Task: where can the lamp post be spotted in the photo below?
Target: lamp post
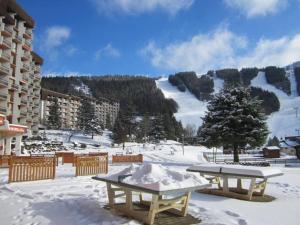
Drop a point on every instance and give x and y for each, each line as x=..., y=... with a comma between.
x=183, y=144
x=296, y=109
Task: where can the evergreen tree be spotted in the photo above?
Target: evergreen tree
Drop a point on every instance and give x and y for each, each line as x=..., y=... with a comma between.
x=273, y=141
x=119, y=130
x=87, y=121
x=158, y=129
x=144, y=128
x=235, y=120
x=54, y=119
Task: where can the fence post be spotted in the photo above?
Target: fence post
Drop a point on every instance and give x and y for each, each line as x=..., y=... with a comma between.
x=54, y=166
x=10, y=170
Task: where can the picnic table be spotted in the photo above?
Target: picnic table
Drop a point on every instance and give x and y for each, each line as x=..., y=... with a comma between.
x=216, y=173
x=160, y=201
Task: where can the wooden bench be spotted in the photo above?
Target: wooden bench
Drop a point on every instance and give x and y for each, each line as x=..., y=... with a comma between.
x=24, y=168
x=127, y=158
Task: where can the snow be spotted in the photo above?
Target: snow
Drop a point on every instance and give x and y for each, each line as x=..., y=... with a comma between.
x=70, y=200
x=190, y=108
x=158, y=177
x=284, y=122
x=238, y=169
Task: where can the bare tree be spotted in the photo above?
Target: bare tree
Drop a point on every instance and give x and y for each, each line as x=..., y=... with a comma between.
x=190, y=130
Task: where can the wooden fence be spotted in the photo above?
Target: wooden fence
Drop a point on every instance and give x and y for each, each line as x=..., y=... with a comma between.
x=127, y=158
x=31, y=168
x=5, y=160
x=91, y=165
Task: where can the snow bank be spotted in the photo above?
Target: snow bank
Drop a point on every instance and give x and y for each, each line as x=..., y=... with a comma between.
x=158, y=177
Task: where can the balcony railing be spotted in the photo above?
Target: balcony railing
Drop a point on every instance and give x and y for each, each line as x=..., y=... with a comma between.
x=3, y=96
x=14, y=86
x=23, y=102
x=23, y=89
x=26, y=67
x=7, y=42
x=8, y=29
x=28, y=43
x=3, y=82
x=4, y=69
x=4, y=55
x=28, y=32
x=3, y=110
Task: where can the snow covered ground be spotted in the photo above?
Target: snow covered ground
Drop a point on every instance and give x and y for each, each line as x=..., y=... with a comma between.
x=70, y=200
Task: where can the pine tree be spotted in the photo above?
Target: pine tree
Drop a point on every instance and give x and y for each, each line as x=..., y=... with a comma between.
x=88, y=121
x=158, y=129
x=54, y=119
x=144, y=127
x=119, y=130
x=234, y=119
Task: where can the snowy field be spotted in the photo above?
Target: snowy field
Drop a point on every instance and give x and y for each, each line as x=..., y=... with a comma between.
x=70, y=200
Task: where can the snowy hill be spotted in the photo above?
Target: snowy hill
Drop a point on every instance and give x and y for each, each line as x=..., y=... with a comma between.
x=282, y=123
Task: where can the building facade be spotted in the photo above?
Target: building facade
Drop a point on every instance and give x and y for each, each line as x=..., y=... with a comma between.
x=19, y=68
x=69, y=107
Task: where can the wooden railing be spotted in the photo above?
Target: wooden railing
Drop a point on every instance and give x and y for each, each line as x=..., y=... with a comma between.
x=31, y=168
x=127, y=158
x=91, y=165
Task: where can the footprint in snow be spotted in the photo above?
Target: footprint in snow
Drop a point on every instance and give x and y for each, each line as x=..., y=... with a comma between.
x=229, y=213
x=242, y=222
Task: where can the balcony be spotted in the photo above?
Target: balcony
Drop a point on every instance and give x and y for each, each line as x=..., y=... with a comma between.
x=4, y=69
x=14, y=87
x=23, y=102
x=24, y=89
x=3, y=82
x=3, y=97
x=26, y=56
x=18, y=39
x=4, y=56
x=3, y=110
x=6, y=43
x=28, y=33
x=8, y=31
x=28, y=43
x=25, y=68
x=23, y=114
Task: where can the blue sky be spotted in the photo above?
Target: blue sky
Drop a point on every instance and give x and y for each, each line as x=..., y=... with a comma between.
x=158, y=37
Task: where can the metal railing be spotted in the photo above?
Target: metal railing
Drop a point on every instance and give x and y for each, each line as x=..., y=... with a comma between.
x=7, y=42
x=5, y=55
x=4, y=68
x=3, y=82
x=3, y=96
x=28, y=32
x=3, y=110
x=8, y=29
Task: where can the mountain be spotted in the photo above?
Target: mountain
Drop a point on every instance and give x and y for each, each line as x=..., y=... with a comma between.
x=278, y=88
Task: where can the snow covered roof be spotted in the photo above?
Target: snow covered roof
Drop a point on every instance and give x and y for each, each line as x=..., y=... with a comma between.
x=272, y=148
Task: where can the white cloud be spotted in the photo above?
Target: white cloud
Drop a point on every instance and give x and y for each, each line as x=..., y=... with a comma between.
x=222, y=49
x=280, y=52
x=53, y=38
x=254, y=8
x=140, y=6
x=201, y=53
x=107, y=51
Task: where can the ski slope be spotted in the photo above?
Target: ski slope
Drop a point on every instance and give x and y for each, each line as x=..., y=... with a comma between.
x=190, y=109
x=284, y=122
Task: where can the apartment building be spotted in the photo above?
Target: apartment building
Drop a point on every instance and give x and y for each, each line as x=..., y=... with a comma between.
x=19, y=67
x=69, y=106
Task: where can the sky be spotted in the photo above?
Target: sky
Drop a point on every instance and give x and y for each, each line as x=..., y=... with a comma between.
x=161, y=37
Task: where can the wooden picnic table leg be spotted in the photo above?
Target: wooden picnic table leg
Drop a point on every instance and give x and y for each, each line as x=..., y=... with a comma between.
x=239, y=184
x=153, y=209
x=184, y=209
x=251, y=189
x=225, y=184
x=110, y=193
x=128, y=194
x=262, y=191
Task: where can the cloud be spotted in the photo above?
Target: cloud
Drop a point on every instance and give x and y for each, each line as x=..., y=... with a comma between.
x=201, y=53
x=107, y=51
x=133, y=7
x=222, y=49
x=280, y=52
x=252, y=8
x=53, y=38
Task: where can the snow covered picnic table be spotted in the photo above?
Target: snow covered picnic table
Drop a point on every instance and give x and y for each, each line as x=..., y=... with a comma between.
x=217, y=172
x=157, y=181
